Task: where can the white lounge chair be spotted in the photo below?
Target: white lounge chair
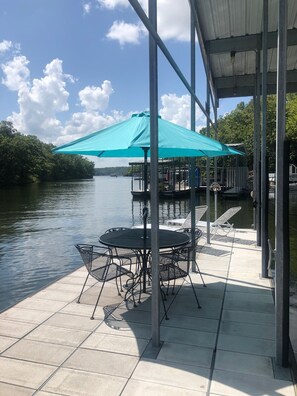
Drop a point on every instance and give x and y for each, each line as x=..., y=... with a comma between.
x=186, y=223
x=222, y=222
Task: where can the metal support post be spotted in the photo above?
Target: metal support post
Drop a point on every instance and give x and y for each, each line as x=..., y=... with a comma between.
x=153, y=83
x=208, y=162
x=257, y=153
x=254, y=164
x=281, y=206
x=264, y=170
x=192, y=161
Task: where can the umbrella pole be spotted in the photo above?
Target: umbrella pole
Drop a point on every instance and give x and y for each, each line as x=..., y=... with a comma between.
x=144, y=216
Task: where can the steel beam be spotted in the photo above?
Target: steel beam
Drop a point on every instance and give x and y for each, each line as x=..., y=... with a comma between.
x=208, y=164
x=281, y=206
x=205, y=57
x=153, y=86
x=248, y=79
x=245, y=84
x=145, y=20
x=193, y=125
x=252, y=42
x=254, y=160
x=264, y=168
x=238, y=92
x=257, y=151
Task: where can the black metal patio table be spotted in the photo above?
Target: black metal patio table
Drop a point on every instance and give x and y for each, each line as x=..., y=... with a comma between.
x=133, y=239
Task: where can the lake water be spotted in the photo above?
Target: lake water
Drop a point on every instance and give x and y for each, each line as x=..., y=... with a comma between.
x=41, y=223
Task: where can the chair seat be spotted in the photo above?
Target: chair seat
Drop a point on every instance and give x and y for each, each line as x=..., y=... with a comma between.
x=114, y=271
x=171, y=271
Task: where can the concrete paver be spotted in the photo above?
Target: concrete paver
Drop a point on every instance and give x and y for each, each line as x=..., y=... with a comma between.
x=49, y=345
x=75, y=382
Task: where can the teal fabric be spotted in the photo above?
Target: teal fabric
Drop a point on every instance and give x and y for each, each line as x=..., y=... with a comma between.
x=128, y=138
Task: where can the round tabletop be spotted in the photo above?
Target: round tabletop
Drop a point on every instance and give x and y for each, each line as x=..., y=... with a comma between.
x=133, y=239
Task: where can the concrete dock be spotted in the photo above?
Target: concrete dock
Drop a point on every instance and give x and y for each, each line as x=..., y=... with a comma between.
x=49, y=346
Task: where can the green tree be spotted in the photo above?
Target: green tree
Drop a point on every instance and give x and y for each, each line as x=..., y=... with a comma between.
x=238, y=127
x=25, y=159
x=7, y=128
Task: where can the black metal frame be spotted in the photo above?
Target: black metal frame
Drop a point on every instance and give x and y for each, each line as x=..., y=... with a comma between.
x=102, y=271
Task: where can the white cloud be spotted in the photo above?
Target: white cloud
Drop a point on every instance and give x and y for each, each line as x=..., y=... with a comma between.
x=87, y=8
x=177, y=109
x=5, y=45
x=42, y=100
x=16, y=73
x=39, y=101
x=85, y=122
x=126, y=32
x=112, y=4
x=173, y=21
x=96, y=98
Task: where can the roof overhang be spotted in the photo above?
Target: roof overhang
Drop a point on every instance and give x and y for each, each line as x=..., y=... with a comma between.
x=231, y=34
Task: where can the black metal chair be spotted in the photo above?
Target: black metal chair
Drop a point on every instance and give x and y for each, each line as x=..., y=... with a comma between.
x=174, y=264
x=126, y=257
x=198, y=235
x=99, y=263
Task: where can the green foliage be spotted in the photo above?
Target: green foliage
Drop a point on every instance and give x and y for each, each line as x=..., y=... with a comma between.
x=25, y=159
x=114, y=171
x=7, y=128
x=238, y=127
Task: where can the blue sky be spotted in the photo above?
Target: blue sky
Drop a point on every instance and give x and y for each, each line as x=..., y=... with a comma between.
x=69, y=68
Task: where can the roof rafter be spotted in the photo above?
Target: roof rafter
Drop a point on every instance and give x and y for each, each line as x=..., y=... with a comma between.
x=243, y=85
x=247, y=43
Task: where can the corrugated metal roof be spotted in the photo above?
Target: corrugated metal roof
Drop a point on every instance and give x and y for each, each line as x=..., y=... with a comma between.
x=231, y=31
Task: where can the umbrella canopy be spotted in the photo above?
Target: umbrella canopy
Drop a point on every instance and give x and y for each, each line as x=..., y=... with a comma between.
x=130, y=137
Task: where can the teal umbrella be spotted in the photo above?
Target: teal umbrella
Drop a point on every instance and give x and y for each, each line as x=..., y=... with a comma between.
x=131, y=138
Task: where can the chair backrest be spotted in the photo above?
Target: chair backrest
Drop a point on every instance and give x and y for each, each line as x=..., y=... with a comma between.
x=173, y=260
x=183, y=258
x=198, y=234
x=116, y=229
x=227, y=215
x=91, y=255
x=199, y=212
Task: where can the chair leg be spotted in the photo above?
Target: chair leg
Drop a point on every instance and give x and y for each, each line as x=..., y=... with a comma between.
x=140, y=288
x=136, y=282
x=130, y=290
x=92, y=317
x=163, y=296
x=199, y=272
x=121, y=286
x=199, y=306
x=119, y=289
x=78, y=301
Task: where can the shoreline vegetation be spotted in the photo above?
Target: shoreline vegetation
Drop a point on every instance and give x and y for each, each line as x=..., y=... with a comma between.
x=24, y=159
x=113, y=171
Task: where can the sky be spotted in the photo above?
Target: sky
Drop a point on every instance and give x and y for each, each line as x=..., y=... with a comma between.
x=72, y=67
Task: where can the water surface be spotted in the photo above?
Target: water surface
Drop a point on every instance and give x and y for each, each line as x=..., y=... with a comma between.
x=41, y=223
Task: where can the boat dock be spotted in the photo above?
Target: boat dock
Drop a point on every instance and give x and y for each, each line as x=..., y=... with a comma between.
x=49, y=346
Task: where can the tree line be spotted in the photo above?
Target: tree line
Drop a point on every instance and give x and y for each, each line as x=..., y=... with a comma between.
x=112, y=171
x=25, y=159
x=238, y=127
